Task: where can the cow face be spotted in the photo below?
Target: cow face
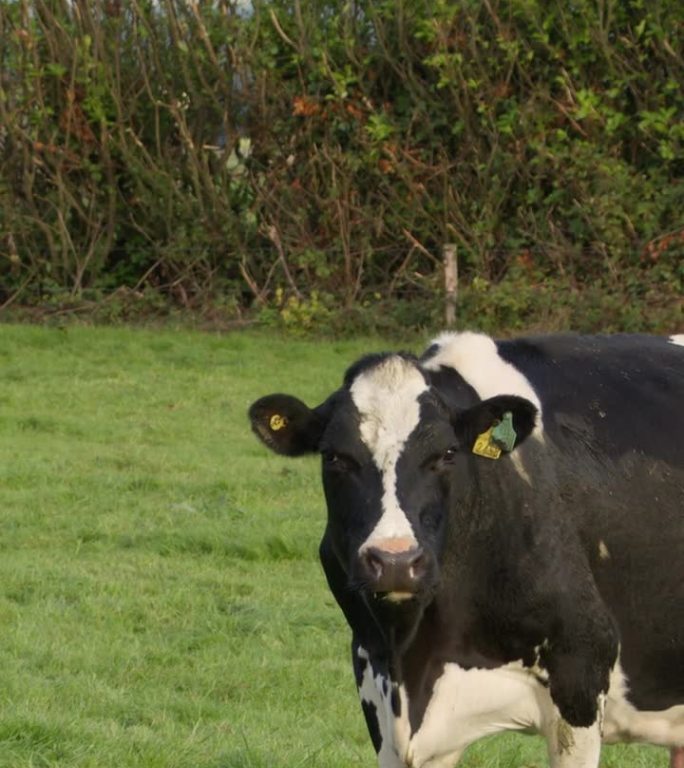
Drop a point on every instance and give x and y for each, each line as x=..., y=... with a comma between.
x=393, y=452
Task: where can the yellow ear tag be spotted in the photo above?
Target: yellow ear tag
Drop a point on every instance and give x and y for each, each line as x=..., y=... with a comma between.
x=485, y=446
x=277, y=422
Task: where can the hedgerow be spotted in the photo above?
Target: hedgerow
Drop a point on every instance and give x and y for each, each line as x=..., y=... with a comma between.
x=307, y=162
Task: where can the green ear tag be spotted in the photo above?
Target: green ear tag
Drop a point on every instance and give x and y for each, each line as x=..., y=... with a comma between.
x=503, y=433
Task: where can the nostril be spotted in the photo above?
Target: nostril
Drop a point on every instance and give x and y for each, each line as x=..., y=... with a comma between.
x=417, y=564
x=375, y=561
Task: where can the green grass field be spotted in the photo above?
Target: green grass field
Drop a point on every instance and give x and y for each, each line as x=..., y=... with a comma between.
x=161, y=603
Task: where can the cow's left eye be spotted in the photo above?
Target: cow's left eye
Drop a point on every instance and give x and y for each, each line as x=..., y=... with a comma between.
x=441, y=460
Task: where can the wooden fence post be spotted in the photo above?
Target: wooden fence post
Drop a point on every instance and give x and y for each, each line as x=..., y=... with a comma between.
x=449, y=255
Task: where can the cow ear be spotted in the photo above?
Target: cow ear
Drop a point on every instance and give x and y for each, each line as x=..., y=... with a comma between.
x=286, y=425
x=497, y=425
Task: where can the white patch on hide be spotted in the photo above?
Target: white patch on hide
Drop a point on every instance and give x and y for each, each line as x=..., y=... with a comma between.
x=394, y=732
x=475, y=357
x=467, y=705
x=677, y=338
x=516, y=458
x=623, y=722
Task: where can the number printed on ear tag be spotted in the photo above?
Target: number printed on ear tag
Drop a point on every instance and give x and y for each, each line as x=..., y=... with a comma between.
x=485, y=446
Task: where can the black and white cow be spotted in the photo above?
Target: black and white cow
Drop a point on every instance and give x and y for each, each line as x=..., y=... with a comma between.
x=505, y=537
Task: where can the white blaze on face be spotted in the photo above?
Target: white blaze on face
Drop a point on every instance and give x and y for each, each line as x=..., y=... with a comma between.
x=386, y=397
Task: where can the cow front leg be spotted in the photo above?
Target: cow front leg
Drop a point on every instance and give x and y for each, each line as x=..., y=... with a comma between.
x=573, y=747
x=389, y=759
x=677, y=757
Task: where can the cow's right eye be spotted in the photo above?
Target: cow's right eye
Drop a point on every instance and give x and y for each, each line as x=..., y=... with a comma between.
x=338, y=462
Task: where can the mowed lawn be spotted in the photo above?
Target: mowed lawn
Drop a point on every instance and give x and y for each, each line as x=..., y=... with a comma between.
x=161, y=602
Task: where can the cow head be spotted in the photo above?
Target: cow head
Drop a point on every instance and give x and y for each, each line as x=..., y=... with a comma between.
x=396, y=447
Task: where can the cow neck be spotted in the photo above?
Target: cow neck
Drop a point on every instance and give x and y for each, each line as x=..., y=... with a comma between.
x=452, y=628
x=441, y=637
x=415, y=668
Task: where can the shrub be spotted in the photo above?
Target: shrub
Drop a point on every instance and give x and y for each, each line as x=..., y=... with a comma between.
x=215, y=153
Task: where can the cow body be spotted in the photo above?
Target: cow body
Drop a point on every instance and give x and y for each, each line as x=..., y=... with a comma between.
x=538, y=586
